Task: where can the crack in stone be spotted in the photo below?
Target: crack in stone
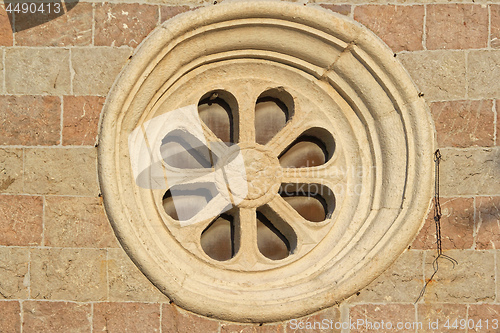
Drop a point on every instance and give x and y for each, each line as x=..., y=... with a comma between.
x=328, y=69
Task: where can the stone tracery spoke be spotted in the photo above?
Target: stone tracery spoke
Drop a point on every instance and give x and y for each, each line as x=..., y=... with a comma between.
x=286, y=135
x=246, y=238
x=216, y=146
x=305, y=231
x=328, y=175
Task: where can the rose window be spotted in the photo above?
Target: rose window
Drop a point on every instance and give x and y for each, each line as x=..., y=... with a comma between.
x=279, y=193
x=260, y=161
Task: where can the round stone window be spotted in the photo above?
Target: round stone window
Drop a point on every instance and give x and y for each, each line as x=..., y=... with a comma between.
x=261, y=161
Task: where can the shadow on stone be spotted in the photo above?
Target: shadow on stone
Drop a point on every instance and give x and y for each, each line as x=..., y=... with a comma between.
x=26, y=15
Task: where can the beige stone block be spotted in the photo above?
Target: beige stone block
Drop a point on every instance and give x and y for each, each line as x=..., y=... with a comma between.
x=236, y=328
x=127, y=283
x=11, y=170
x=440, y=75
x=430, y=313
x=369, y=317
x=37, y=71
x=175, y=319
x=471, y=171
x=68, y=274
x=14, y=278
x=56, y=317
x=472, y=280
x=63, y=171
x=311, y=324
x=77, y=222
x=483, y=71
x=95, y=69
x=126, y=317
x=21, y=220
x=10, y=320
x=401, y=282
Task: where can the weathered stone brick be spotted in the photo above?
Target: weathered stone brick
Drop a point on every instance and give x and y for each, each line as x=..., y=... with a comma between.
x=367, y=316
x=77, y=222
x=178, y=320
x=10, y=320
x=81, y=119
x=2, y=72
x=68, y=274
x=401, y=282
x=464, y=123
x=315, y=323
x=497, y=132
x=401, y=27
x=127, y=283
x=457, y=226
x=6, y=36
x=483, y=72
x=495, y=26
x=428, y=314
x=126, y=317
x=49, y=28
x=61, y=171
x=236, y=328
x=440, y=75
x=21, y=220
x=497, y=253
x=97, y=68
x=185, y=2
x=13, y=273
x=30, y=120
x=123, y=24
x=484, y=318
x=472, y=280
x=11, y=170
x=167, y=12
x=37, y=71
x=488, y=222
x=457, y=26
x=341, y=9
x=56, y=317
x=471, y=171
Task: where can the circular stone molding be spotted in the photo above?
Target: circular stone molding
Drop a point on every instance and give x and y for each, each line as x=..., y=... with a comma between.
x=352, y=127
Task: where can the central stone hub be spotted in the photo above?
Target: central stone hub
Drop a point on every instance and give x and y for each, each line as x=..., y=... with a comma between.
x=261, y=172
x=251, y=174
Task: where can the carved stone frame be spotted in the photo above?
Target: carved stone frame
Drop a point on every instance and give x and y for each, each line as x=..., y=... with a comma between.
x=389, y=140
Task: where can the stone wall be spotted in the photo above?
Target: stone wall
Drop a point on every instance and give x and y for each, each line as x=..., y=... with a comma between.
x=61, y=267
